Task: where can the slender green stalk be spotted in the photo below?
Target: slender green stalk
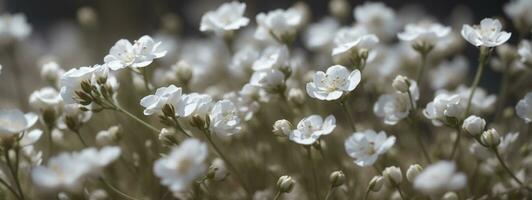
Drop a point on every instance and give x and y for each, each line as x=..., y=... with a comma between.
x=178, y=127
x=329, y=193
x=421, y=69
x=120, y=109
x=314, y=174
x=343, y=104
x=366, y=194
x=277, y=195
x=5, y=184
x=146, y=79
x=81, y=138
x=483, y=58
x=116, y=190
x=507, y=169
x=456, y=142
x=14, y=172
x=400, y=192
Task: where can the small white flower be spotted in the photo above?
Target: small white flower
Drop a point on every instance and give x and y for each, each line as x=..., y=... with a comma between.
x=273, y=58
x=519, y=12
x=507, y=141
x=282, y=127
x=51, y=71
x=525, y=52
x=424, y=33
x=392, y=176
x=474, y=125
x=197, y=104
x=449, y=73
x=377, y=18
x=171, y=95
x=392, y=107
x=271, y=80
x=139, y=54
x=109, y=136
x=482, y=102
x=439, y=178
x=71, y=80
x=182, y=166
x=353, y=40
x=333, y=83
x=227, y=17
x=219, y=168
x=488, y=34
x=278, y=24
x=45, y=98
x=14, y=122
x=310, y=128
x=444, y=105
x=366, y=146
x=320, y=36
x=14, y=27
x=243, y=61
x=224, y=119
x=524, y=108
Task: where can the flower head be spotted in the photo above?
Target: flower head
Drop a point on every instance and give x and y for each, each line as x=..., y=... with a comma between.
x=488, y=34
x=45, y=98
x=139, y=54
x=227, y=17
x=424, y=34
x=225, y=120
x=524, y=108
x=376, y=17
x=14, y=122
x=170, y=95
x=366, y=146
x=443, y=106
x=353, y=43
x=13, y=27
x=280, y=25
x=333, y=83
x=310, y=128
x=439, y=178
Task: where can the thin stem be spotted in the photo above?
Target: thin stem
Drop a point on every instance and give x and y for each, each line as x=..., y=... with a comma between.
x=49, y=130
x=483, y=57
x=503, y=164
x=226, y=161
x=366, y=194
x=400, y=191
x=178, y=126
x=330, y=192
x=146, y=79
x=5, y=184
x=277, y=195
x=116, y=190
x=503, y=90
x=14, y=173
x=343, y=103
x=314, y=175
x=81, y=138
x=421, y=69
x=120, y=109
x=456, y=142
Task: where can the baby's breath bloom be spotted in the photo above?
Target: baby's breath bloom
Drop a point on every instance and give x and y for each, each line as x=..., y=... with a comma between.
x=280, y=25
x=392, y=176
x=137, y=55
x=310, y=128
x=273, y=58
x=488, y=34
x=45, y=98
x=474, y=125
x=394, y=107
x=353, y=44
x=442, y=107
x=519, y=12
x=424, y=35
x=366, y=146
x=439, y=178
x=377, y=18
x=228, y=17
x=183, y=165
x=224, y=119
x=524, y=108
x=52, y=72
x=13, y=122
x=13, y=27
x=320, y=36
x=525, y=52
x=333, y=83
x=170, y=95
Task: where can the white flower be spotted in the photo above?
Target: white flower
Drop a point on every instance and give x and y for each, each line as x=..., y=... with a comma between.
x=109, y=136
x=488, y=34
x=51, y=71
x=524, y=108
x=224, y=119
x=278, y=24
x=282, y=127
x=320, y=36
x=310, y=128
x=71, y=81
x=243, y=60
x=525, y=52
x=449, y=73
x=333, y=83
x=219, y=168
x=474, y=125
x=481, y=102
x=439, y=178
x=271, y=80
x=14, y=27
x=444, y=105
x=392, y=176
x=197, y=104
x=353, y=40
x=45, y=98
x=507, y=141
x=273, y=57
x=68, y=169
x=519, y=12
x=366, y=146
x=14, y=122
x=424, y=33
x=227, y=17
x=377, y=18
x=139, y=54
x=182, y=166
x=394, y=107
x=171, y=95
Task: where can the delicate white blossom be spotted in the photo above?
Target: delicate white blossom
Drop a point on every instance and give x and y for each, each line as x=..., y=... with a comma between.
x=366, y=146
x=424, y=33
x=14, y=27
x=279, y=24
x=353, y=41
x=377, y=18
x=525, y=52
x=45, y=98
x=171, y=95
x=333, y=83
x=137, y=55
x=474, y=125
x=488, y=34
x=224, y=119
x=310, y=128
x=443, y=106
x=13, y=121
x=439, y=178
x=524, y=108
x=227, y=17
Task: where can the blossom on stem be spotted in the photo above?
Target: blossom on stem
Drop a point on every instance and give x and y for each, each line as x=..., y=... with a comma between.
x=334, y=83
x=310, y=128
x=226, y=18
x=13, y=121
x=366, y=146
x=488, y=34
x=524, y=108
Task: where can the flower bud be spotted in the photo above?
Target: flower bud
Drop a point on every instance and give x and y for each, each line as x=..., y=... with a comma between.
x=168, y=110
x=337, y=178
x=285, y=184
x=490, y=138
x=282, y=127
x=474, y=125
x=413, y=171
x=339, y=9
x=450, y=196
x=392, y=176
x=51, y=72
x=296, y=96
x=375, y=184
x=197, y=121
x=109, y=136
x=217, y=170
x=184, y=72
x=401, y=84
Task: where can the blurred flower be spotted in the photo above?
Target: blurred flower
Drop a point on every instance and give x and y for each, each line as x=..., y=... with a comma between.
x=13, y=27
x=366, y=146
x=227, y=17
x=519, y=12
x=353, y=44
x=507, y=141
x=413, y=171
x=224, y=119
x=182, y=166
x=524, y=108
x=392, y=176
x=282, y=127
x=488, y=34
x=320, y=36
x=439, y=178
x=333, y=83
x=377, y=18
x=218, y=169
x=525, y=52
x=394, y=107
x=424, y=35
x=273, y=81
x=449, y=73
x=51, y=72
x=280, y=25
x=13, y=121
x=310, y=128
x=109, y=136
x=139, y=54
x=45, y=98
x=273, y=58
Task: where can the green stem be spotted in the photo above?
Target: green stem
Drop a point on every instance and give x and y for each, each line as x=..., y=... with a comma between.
x=5, y=184
x=14, y=173
x=81, y=138
x=314, y=175
x=343, y=103
x=178, y=127
x=456, y=142
x=483, y=58
x=277, y=195
x=400, y=191
x=120, y=109
x=329, y=193
x=421, y=69
x=366, y=194
x=507, y=169
x=146, y=79
x=116, y=190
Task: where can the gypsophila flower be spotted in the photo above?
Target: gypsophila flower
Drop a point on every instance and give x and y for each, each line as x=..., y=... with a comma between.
x=366, y=146
x=13, y=122
x=439, y=178
x=280, y=25
x=320, y=36
x=488, y=34
x=137, y=55
x=13, y=27
x=519, y=12
x=525, y=52
x=273, y=58
x=474, y=125
x=71, y=82
x=352, y=45
x=273, y=81
x=424, y=35
x=52, y=72
x=524, y=108
x=333, y=83
x=227, y=17
x=310, y=128
x=394, y=107
x=507, y=141
x=442, y=107
x=45, y=98
x=171, y=95
x=377, y=18
x=109, y=136
x=224, y=119
x=392, y=176
x=182, y=166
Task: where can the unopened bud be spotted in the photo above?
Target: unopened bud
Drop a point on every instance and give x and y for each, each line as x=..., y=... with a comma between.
x=490, y=138
x=86, y=86
x=392, y=176
x=168, y=110
x=474, y=125
x=450, y=196
x=401, y=84
x=285, y=184
x=198, y=122
x=337, y=178
x=282, y=127
x=413, y=171
x=375, y=184
x=296, y=96
x=184, y=71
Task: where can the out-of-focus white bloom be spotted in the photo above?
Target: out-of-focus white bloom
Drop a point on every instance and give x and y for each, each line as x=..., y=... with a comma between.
x=197, y=104
x=392, y=176
x=98, y=194
x=243, y=61
x=45, y=98
x=474, y=125
x=219, y=169
x=171, y=95
x=13, y=121
x=394, y=107
x=413, y=171
x=224, y=119
x=424, y=33
x=139, y=54
x=481, y=102
x=377, y=18
x=443, y=106
x=507, y=141
x=310, y=128
x=353, y=41
x=282, y=127
x=320, y=36
x=519, y=12
x=333, y=83
x=227, y=17
x=439, y=178
x=271, y=80
x=30, y=138
x=449, y=73
x=13, y=27
x=109, y=136
x=365, y=147
x=479, y=151
x=279, y=24
x=524, y=108
x=273, y=57
x=182, y=166
x=51, y=71
x=488, y=34
x=67, y=169
x=525, y=52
